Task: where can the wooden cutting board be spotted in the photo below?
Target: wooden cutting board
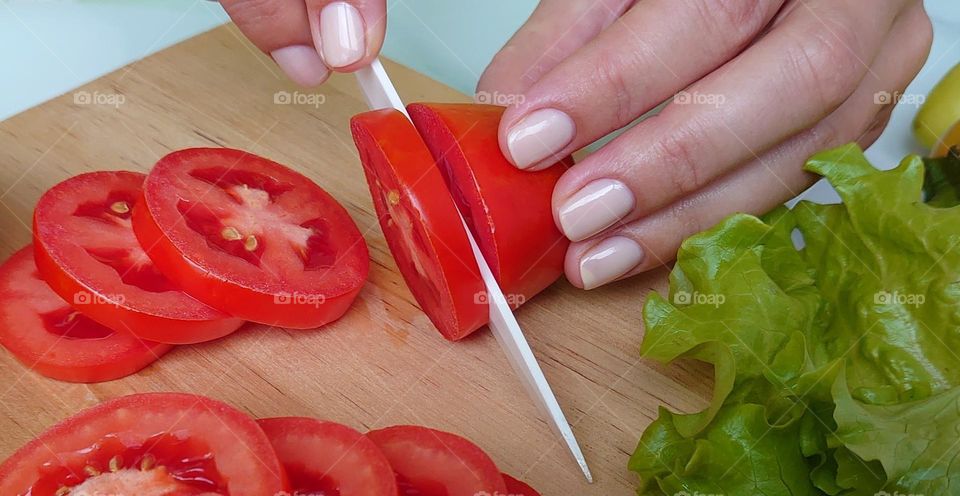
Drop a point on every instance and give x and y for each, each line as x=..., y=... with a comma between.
x=381, y=364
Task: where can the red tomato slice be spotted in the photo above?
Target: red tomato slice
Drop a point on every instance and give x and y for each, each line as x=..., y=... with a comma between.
x=87, y=252
x=518, y=488
x=508, y=210
x=429, y=462
x=47, y=335
x=419, y=220
x=251, y=237
x=329, y=459
x=153, y=444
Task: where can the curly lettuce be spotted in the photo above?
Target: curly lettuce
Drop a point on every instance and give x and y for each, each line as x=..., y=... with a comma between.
x=837, y=365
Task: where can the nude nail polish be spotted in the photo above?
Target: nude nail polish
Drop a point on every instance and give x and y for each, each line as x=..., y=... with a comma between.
x=342, y=34
x=608, y=260
x=597, y=206
x=540, y=135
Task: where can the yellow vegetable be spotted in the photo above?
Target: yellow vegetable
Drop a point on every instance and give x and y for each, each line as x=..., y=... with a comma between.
x=940, y=111
x=951, y=139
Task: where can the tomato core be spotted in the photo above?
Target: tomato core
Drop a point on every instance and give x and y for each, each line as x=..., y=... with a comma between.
x=249, y=224
x=159, y=464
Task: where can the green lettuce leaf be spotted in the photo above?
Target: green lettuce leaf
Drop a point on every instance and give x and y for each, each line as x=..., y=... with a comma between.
x=831, y=360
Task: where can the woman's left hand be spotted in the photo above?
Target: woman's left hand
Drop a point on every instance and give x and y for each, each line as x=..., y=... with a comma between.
x=757, y=87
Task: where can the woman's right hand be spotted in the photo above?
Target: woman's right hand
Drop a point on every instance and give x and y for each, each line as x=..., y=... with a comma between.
x=310, y=38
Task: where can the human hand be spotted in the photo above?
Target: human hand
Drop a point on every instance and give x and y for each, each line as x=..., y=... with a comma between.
x=757, y=87
x=310, y=38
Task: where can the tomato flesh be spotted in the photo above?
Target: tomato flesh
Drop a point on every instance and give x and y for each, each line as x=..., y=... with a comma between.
x=508, y=210
x=251, y=237
x=148, y=444
x=429, y=462
x=420, y=222
x=86, y=250
x=46, y=334
x=163, y=462
x=518, y=488
x=329, y=459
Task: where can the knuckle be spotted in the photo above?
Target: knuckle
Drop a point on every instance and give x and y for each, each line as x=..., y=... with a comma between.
x=743, y=18
x=824, y=62
x=609, y=73
x=683, y=155
x=253, y=12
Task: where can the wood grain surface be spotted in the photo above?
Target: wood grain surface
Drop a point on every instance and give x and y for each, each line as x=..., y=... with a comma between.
x=382, y=363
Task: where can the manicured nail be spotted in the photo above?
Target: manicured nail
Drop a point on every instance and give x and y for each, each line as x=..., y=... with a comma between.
x=539, y=135
x=302, y=64
x=610, y=259
x=597, y=206
x=341, y=34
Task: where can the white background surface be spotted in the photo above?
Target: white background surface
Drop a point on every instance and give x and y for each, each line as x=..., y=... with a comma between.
x=48, y=47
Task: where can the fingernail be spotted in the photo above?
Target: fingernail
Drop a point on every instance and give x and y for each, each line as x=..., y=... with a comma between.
x=301, y=64
x=597, y=206
x=610, y=259
x=341, y=34
x=539, y=135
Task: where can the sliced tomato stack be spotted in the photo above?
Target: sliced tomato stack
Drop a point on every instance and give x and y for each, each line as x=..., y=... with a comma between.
x=210, y=238
x=173, y=443
x=507, y=210
x=87, y=252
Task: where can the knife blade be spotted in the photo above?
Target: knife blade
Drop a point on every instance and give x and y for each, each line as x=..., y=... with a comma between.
x=380, y=93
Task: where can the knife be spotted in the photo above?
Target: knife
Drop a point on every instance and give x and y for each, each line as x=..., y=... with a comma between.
x=380, y=93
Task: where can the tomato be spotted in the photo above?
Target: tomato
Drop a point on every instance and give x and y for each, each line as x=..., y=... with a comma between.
x=420, y=222
x=429, y=462
x=508, y=210
x=329, y=459
x=251, y=237
x=150, y=444
x=46, y=334
x=518, y=488
x=87, y=252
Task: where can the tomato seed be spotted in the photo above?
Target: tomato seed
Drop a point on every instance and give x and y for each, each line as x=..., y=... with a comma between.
x=393, y=197
x=230, y=234
x=120, y=207
x=250, y=243
x=148, y=462
x=115, y=463
x=92, y=472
